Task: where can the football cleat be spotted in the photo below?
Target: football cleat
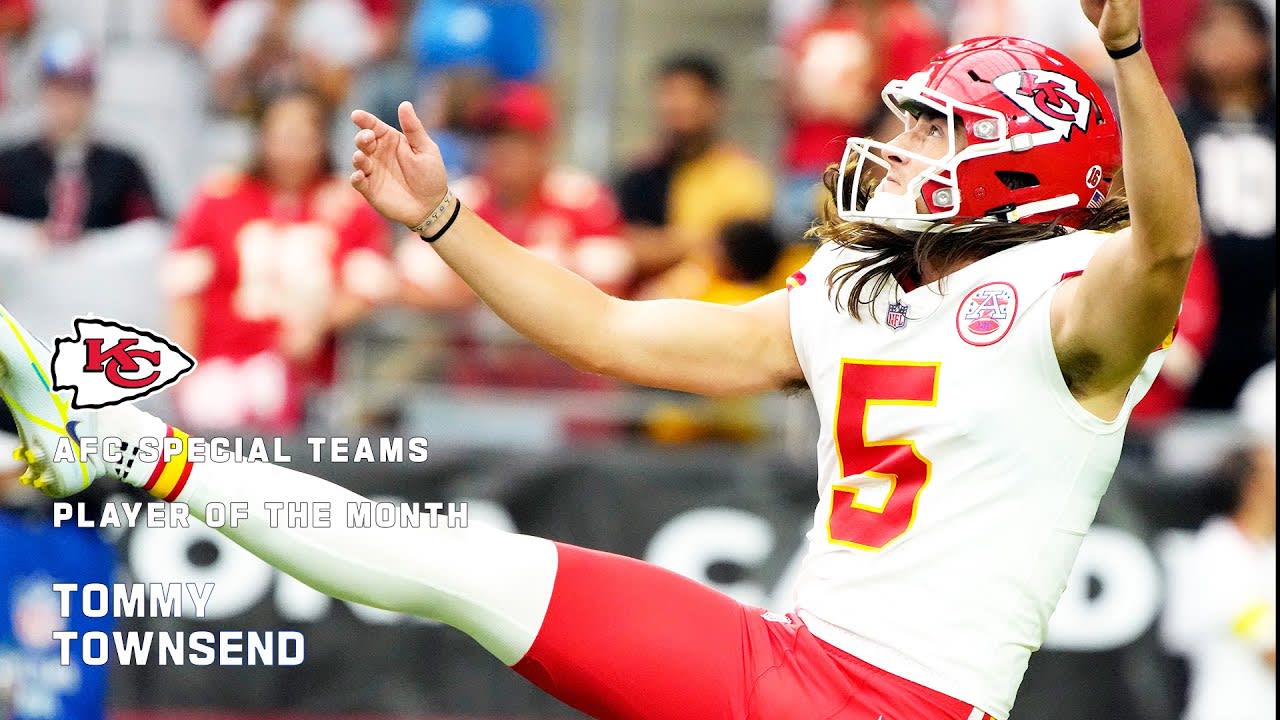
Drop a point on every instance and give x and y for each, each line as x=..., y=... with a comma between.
x=48, y=431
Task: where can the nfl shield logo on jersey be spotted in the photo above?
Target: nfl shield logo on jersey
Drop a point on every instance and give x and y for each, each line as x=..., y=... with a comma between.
x=896, y=318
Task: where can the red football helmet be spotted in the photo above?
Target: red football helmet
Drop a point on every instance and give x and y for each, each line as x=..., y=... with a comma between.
x=1043, y=142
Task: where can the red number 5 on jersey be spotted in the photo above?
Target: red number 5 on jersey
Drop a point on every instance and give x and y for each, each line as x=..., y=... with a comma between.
x=865, y=384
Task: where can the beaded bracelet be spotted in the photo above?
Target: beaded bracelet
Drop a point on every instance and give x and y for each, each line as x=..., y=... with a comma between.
x=435, y=215
x=457, y=208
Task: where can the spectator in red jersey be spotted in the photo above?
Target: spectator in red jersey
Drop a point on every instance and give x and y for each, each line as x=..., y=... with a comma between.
x=66, y=180
x=835, y=65
x=559, y=213
x=387, y=18
x=1166, y=25
x=1058, y=25
x=191, y=21
x=257, y=45
x=267, y=266
x=16, y=17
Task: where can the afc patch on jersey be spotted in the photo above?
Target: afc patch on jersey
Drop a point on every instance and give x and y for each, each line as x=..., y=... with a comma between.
x=896, y=318
x=986, y=314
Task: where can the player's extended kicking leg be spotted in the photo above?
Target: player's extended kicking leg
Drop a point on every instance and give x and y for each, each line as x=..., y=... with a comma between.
x=611, y=636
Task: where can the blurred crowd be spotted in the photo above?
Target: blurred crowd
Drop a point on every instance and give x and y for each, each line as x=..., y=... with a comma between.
x=269, y=257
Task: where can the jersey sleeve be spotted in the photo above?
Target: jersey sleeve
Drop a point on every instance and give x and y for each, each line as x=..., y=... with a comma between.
x=596, y=249
x=364, y=256
x=601, y=253
x=599, y=216
x=191, y=262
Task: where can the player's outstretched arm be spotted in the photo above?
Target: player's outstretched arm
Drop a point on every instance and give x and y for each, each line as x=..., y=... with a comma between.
x=677, y=344
x=1126, y=302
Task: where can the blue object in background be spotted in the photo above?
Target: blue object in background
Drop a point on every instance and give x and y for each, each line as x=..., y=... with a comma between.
x=458, y=152
x=33, y=556
x=506, y=37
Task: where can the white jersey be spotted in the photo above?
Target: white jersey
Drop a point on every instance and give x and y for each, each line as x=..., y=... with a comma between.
x=957, y=475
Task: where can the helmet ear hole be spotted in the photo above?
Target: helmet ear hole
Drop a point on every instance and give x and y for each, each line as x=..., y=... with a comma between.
x=1017, y=180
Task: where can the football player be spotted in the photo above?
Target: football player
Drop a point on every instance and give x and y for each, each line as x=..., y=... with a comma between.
x=983, y=314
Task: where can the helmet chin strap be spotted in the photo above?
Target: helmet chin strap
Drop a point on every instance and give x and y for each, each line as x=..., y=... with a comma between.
x=889, y=210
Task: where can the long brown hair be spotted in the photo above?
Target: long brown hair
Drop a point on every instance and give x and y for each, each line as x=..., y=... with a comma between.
x=889, y=253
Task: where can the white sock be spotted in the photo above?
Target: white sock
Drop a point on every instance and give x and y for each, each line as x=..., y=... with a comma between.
x=494, y=586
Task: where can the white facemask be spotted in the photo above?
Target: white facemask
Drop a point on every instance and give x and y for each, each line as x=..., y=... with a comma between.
x=889, y=209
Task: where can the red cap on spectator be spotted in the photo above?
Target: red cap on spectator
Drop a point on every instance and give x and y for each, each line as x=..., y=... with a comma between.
x=523, y=107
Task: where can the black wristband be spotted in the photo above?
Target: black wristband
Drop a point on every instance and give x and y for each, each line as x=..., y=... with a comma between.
x=457, y=208
x=1126, y=52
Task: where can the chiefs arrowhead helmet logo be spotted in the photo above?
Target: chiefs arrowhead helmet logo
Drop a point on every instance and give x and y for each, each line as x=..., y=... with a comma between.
x=108, y=363
x=1050, y=97
x=1054, y=99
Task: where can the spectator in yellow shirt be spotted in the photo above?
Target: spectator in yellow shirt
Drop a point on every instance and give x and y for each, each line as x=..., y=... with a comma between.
x=678, y=199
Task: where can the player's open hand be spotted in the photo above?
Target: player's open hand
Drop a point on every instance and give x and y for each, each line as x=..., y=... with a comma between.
x=401, y=174
x=1116, y=20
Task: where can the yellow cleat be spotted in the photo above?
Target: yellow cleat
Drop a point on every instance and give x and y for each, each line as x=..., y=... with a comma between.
x=45, y=420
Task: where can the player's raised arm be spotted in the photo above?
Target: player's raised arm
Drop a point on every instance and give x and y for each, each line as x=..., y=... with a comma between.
x=677, y=344
x=1126, y=302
